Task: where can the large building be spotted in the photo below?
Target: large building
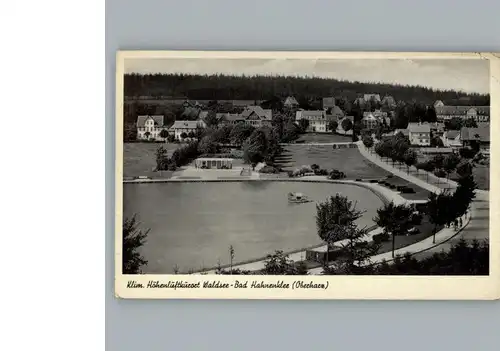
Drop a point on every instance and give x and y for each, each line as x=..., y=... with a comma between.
x=253, y=115
x=318, y=121
x=373, y=119
x=186, y=129
x=149, y=127
x=478, y=113
x=419, y=134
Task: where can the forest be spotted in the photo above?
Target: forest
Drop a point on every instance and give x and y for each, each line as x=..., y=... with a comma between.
x=224, y=87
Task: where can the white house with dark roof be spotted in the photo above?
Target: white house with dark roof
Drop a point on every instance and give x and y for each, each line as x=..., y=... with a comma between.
x=253, y=115
x=419, y=134
x=369, y=121
x=257, y=116
x=478, y=113
x=451, y=138
x=187, y=127
x=318, y=122
x=149, y=127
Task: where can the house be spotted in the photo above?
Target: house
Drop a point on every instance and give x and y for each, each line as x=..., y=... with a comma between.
x=328, y=102
x=405, y=132
x=186, y=129
x=438, y=103
x=335, y=113
x=419, y=134
x=318, y=121
x=437, y=129
x=481, y=135
x=253, y=115
x=257, y=116
x=451, y=138
x=189, y=103
x=371, y=97
x=203, y=115
x=149, y=127
x=478, y=113
x=389, y=101
x=230, y=118
x=290, y=102
x=369, y=121
x=372, y=120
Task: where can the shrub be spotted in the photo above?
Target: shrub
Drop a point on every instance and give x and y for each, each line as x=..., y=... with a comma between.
x=367, y=140
x=416, y=218
x=380, y=238
x=322, y=172
x=335, y=174
x=269, y=169
x=440, y=173
x=466, y=152
x=373, y=181
x=359, y=179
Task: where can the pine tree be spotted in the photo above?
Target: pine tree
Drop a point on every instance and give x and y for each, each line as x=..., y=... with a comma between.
x=133, y=240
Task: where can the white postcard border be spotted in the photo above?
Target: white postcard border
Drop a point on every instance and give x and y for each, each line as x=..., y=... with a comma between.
x=336, y=287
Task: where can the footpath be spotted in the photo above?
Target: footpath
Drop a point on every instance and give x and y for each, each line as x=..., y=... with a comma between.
x=475, y=224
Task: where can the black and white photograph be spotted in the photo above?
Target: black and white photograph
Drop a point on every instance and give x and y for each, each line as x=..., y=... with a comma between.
x=305, y=166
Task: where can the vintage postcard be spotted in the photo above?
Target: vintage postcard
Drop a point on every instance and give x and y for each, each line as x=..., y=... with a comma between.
x=307, y=175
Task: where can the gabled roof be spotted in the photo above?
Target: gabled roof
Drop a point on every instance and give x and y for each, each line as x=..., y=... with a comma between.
x=388, y=100
x=452, y=134
x=360, y=101
x=328, y=102
x=259, y=111
x=461, y=110
x=419, y=128
x=480, y=133
x=369, y=117
x=438, y=103
x=141, y=120
x=405, y=132
x=290, y=101
x=319, y=114
x=186, y=124
x=203, y=115
x=336, y=111
x=368, y=97
x=231, y=117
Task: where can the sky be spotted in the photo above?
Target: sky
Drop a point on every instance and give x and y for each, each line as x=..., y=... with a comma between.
x=471, y=76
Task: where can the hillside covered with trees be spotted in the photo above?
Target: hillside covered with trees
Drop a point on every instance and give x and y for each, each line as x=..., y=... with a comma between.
x=224, y=87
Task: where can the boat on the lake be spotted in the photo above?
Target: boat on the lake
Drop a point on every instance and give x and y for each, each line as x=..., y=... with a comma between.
x=297, y=198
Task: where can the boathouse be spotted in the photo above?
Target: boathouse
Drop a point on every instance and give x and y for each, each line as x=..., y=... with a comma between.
x=213, y=163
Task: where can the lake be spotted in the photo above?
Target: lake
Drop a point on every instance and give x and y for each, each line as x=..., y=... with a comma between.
x=193, y=224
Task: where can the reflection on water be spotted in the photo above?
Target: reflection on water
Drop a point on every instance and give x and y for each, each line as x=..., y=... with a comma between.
x=192, y=224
